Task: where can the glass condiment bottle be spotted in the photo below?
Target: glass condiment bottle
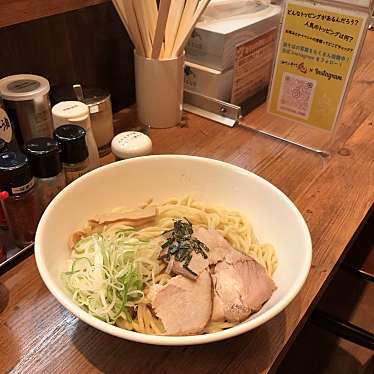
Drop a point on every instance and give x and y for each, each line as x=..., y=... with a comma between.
x=3, y=223
x=99, y=104
x=26, y=100
x=46, y=166
x=3, y=254
x=74, y=152
x=77, y=113
x=19, y=198
x=3, y=146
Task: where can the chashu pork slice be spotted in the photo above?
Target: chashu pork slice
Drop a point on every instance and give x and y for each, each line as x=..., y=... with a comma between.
x=217, y=244
x=240, y=289
x=197, y=265
x=183, y=305
x=241, y=285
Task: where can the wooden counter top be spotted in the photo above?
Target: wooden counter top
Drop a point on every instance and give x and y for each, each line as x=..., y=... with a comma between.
x=37, y=335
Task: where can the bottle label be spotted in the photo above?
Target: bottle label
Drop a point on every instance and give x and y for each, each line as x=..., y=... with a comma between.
x=94, y=109
x=6, y=132
x=22, y=189
x=23, y=86
x=69, y=108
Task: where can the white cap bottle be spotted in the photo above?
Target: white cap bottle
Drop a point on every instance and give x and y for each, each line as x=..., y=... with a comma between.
x=77, y=113
x=131, y=144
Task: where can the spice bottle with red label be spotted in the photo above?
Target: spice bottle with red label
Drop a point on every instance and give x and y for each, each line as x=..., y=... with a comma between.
x=19, y=198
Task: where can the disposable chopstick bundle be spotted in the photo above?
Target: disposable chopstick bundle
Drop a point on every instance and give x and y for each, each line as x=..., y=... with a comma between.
x=187, y=15
x=162, y=18
x=143, y=25
x=133, y=26
x=160, y=32
x=185, y=33
x=123, y=16
x=151, y=13
x=175, y=14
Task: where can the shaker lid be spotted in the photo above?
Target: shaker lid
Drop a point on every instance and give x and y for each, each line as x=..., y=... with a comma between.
x=70, y=110
x=44, y=157
x=21, y=87
x=15, y=173
x=130, y=144
x=95, y=98
x=72, y=140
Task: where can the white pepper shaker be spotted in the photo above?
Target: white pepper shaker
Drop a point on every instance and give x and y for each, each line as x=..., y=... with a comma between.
x=131, y=144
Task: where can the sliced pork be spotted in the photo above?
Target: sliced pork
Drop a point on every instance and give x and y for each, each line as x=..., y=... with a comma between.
x=183, y=305
x=241, y=285
x=240, y=289
x=197, y=265
x=217, y=244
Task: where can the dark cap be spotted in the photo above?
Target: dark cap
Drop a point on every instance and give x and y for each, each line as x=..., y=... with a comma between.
x=15, y=173
x=44, y=157
x=72, y=140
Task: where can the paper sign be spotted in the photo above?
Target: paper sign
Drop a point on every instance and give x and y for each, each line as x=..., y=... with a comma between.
x=316, y=52
x=252, y=68
x=363, y=3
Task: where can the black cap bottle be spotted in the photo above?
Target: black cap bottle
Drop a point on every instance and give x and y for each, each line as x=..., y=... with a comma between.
x=15, y=174
x=46, y=166
x=74, y=151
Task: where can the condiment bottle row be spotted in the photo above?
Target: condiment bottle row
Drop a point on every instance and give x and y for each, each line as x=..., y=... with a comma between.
x=30, y=180
x=42, y=149
x=27, y=113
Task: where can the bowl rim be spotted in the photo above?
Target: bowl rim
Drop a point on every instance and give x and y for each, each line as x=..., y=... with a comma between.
x=241, y=328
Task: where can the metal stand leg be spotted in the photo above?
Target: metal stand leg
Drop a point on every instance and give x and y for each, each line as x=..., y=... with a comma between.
x=343, y=329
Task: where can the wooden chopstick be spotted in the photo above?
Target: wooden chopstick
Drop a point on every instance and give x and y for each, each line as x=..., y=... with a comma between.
x=162, y=18
x=160, y=33
x=175, y=15
x=151, y=14
x=131, y=18
x=122, y=15
x=188, y=12
x=154, y=11
x=178, y=48
x=143, y=26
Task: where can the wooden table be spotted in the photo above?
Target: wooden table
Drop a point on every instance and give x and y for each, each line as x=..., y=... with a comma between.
x=37, y=335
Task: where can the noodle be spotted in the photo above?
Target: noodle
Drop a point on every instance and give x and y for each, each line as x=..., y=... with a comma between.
x=231, y=224
x=234, y=227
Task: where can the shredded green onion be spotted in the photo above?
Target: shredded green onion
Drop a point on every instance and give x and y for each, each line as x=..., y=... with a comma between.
x=108, y=273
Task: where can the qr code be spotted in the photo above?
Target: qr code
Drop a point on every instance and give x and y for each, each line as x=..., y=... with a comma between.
x=296, y=95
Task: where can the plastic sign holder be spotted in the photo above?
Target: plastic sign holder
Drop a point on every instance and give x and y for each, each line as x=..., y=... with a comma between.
x=319, y=43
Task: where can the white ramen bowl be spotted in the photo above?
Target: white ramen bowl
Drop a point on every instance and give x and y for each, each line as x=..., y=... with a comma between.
x=129, y=183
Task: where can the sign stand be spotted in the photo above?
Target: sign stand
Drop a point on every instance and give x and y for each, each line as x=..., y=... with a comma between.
x=318, y=47
x=320, y=152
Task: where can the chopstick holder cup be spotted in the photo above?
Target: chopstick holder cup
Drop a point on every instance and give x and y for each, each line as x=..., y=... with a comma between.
x=159, y=90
